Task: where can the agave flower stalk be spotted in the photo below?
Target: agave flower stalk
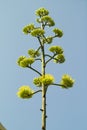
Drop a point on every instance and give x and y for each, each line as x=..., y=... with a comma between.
x=40, y=54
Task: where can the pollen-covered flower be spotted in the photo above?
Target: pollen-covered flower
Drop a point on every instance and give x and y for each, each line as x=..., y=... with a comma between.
x=56, y=49
x=59, y=58
x=46, y=79
x=28, y=28
x=25, y=92
x=67, y=81
x=42, y=12
x=33, y=53
x=37, y=32
x=58, y=32
x=24, y=61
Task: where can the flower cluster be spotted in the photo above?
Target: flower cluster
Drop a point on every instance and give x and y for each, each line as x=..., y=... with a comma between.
x=46, y=79
x=46, y=20
x=47, y=40
x=59, y=58
x=56, y=49
x=67, y=81
x=37, y=32
x=37, y=81
x=24, y=61
x=58, y=32
x=33, y=53
x=25, y=92
x=42, y=12
x=28, y=28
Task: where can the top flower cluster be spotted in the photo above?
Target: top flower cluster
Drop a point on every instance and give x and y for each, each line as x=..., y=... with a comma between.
x=45, y=20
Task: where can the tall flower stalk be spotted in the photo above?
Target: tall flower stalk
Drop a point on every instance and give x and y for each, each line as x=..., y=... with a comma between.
x=44, y=80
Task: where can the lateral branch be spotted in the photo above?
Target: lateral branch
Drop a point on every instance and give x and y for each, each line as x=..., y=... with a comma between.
x=34, y=70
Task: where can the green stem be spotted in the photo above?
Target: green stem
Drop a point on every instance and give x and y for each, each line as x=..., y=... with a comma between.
x=40, y=42
x=59, y=85
x=38, y=49
x=37, y=59
x=51, y=57
x=43, y=92
x=34, y=70
x=43, y=86
x=37, y=91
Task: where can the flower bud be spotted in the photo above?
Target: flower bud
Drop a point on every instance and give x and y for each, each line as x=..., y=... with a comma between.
x=25, y=92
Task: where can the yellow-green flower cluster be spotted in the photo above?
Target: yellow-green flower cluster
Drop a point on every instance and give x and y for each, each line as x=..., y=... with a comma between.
x=46, y=20
x=42, y=12
x=67, y=81
x=24, y=61
x=38, y=32
x=25, y=92
x=56, y=49
x=33, y=53
x=58, y=32
x=28, y=28
x=59, y=58
x=37, y=81
x=47, y=40
x=46, y=79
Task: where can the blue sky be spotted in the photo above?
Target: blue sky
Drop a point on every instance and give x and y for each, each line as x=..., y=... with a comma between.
x=66, y=109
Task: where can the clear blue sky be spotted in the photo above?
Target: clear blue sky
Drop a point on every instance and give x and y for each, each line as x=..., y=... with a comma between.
x=66, y=109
